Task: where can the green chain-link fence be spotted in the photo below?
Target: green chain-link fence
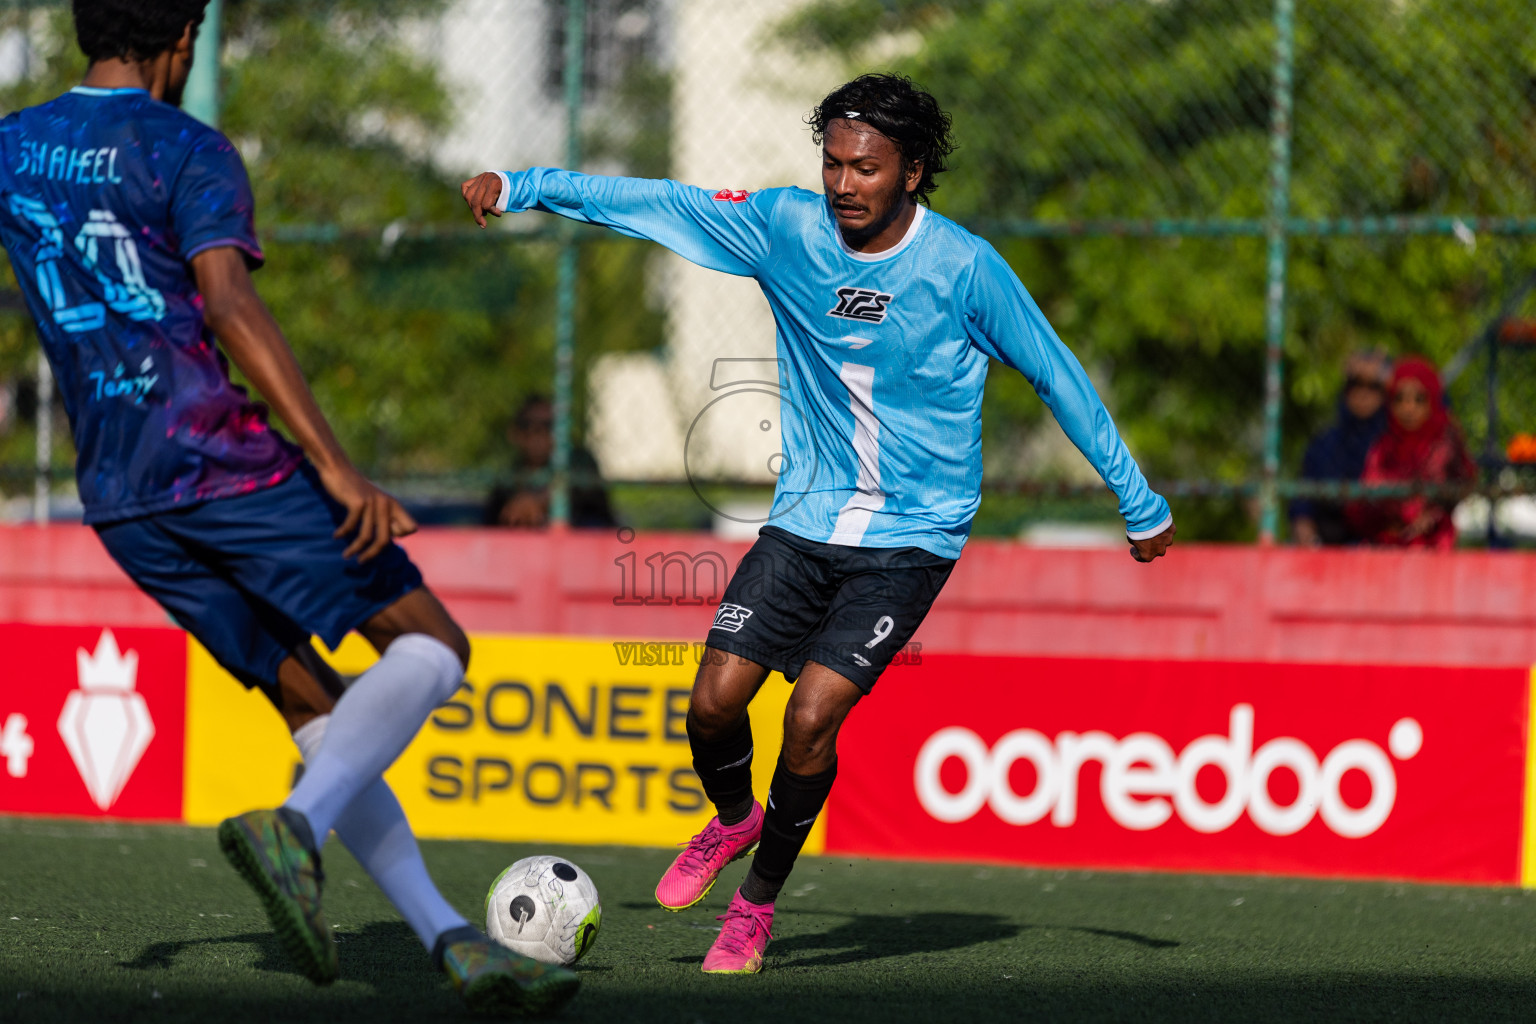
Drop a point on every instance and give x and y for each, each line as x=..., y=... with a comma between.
x=1215, y=201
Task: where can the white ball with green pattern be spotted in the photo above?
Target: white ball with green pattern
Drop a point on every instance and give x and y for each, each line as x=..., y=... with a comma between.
x=544, y=907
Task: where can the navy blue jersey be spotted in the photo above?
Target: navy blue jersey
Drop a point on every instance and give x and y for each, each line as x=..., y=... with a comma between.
x=105, y=197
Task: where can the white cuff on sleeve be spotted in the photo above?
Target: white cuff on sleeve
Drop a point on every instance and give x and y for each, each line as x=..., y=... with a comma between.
x=1159, y=528
x=506, y=192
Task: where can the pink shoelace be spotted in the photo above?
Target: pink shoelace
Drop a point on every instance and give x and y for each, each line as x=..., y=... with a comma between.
x=748, y=919
x=701, y=847
x=704, y=846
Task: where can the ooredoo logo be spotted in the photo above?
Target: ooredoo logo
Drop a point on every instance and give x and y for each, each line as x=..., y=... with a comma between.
x=1144, y=783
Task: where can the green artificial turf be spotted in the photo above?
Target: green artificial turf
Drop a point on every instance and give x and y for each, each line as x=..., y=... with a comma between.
x=116, y=922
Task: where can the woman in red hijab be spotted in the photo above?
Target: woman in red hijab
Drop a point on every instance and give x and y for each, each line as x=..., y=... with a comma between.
x=1422, y=444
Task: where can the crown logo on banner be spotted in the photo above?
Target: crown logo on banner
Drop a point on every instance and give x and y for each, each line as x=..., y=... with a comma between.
x=107, y=670
x=105, y=724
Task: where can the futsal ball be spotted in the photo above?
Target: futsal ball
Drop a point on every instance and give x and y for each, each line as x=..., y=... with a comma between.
x=545, y=908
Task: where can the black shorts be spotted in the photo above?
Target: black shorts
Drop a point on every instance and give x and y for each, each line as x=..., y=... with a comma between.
x=851, y=609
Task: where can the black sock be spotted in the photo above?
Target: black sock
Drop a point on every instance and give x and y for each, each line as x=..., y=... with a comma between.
x=794, y=802
x=724, y=766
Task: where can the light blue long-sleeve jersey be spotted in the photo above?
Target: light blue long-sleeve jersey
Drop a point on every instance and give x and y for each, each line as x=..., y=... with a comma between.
x=882, y=356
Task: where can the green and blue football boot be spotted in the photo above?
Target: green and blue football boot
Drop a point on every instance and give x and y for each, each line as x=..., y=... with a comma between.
x=494, y=980
x=273, y=853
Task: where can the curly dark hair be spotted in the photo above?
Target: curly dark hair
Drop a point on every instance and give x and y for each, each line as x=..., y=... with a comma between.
x=133, y=29
x=896, y=108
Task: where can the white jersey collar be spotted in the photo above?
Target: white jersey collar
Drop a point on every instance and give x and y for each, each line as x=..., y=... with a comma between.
x=893, y=251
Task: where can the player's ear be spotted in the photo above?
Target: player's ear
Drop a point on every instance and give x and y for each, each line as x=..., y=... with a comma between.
x=914, y=175
x=187, y=43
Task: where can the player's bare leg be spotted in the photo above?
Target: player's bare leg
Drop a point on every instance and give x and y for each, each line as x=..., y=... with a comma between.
x=417, y=612
x=815, y=714
x=720, y=734
x=801, y=781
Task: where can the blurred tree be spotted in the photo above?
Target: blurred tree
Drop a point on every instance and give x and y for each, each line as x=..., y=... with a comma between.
x=419, y=350
x=1107, y=109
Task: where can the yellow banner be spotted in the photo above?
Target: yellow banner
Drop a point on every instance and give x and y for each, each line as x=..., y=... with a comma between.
x=549, y=739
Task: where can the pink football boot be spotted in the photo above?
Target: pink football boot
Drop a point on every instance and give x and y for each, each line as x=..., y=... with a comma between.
x=690, y=877
x=742, y=940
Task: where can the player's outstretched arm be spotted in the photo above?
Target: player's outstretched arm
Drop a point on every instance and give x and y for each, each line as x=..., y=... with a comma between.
x=1008, y=325
x=726, y=231
x=254, y=342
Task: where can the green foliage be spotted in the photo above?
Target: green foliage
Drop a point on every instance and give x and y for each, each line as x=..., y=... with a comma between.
x=1097, y=109
x=635, y=128
x=56, y=64
x=1065, y=110
x=418, y=350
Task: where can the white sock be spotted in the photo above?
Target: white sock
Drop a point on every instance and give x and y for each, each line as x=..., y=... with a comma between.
x=372, y=723
x=374, y=828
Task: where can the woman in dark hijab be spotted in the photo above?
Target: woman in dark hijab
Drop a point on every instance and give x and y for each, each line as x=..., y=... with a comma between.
x=1422, y=444
x=1338, y=453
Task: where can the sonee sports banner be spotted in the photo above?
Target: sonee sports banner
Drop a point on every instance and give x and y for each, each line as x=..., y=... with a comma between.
x=547, y=739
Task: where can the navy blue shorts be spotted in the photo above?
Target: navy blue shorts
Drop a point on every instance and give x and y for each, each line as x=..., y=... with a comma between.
x=254, y=576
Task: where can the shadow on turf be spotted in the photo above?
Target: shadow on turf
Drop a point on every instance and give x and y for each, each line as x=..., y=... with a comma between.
x=380, y=947
x=876, y=936
x=161, y=956
x=1110, y=933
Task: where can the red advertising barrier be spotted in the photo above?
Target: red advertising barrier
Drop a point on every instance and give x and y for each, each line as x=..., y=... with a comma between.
x=93, y=721
x=1355, y=771
x=1204, y=602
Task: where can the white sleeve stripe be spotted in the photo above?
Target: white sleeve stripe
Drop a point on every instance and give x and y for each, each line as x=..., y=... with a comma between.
x=1159, y=528
x=506, y=191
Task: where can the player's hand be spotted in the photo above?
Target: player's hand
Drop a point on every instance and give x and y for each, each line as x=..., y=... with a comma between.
x=1153, y=547
x=374, y=518
x=481, y=193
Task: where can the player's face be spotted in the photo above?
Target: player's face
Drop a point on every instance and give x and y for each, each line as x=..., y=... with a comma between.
x=863, y=177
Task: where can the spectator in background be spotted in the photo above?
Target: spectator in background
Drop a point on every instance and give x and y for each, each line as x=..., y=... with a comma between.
x=1422, y=444
x=523, y=500
x=1339, y=452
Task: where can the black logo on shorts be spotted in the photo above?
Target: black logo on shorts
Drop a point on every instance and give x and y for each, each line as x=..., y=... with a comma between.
x=860, y=304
